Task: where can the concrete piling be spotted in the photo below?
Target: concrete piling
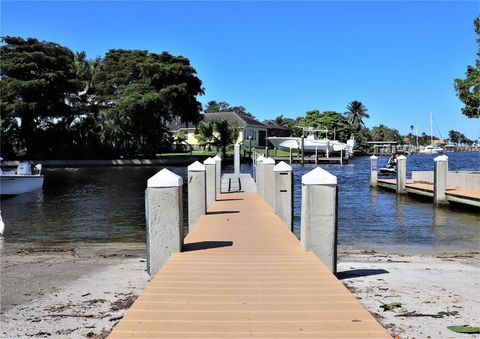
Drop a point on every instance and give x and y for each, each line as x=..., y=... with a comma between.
x=197, y=197
x=268, y=181
x=218, y=175
x=283, y=199
x=373, y=170
x=319, y=216
x=164, y=216
x=440, y=179
x=236, y=158
x=259, y=174
x=210, y=180
x=401, y=173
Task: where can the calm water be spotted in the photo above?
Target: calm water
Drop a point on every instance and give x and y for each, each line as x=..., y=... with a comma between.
x=107, y=205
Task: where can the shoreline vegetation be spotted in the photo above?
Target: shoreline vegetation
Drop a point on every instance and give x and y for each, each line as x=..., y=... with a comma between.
x=83, y=290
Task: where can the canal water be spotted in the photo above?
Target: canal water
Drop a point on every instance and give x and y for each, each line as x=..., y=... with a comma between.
x=106, y=204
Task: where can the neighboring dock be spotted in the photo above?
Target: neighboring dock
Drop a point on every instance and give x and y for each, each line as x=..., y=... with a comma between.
x=244, y=274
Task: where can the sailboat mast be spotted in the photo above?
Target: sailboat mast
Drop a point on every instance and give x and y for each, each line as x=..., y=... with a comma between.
x=431, y=132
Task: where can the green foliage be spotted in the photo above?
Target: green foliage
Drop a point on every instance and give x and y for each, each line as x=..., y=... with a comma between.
x=384, y=133
x=464, y=329
x=335, y=122
x=225, y=135
x=38, y=80
x=468, y=89
x=204, y=133
x=356, y=112
x=391, y=306
x=222, y=106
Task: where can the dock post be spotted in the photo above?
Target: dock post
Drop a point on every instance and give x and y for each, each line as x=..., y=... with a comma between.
x=341, y=157
x=260, y=176
x=373, y=171
x=236, y=158
x=210, y=180
x=164, y=216
x=268, y=181
x=218, y=175
x=316, y=155
x=319, y=221
x=401, y=173
x=328, y=149
x=197, y=199
x=440, y=179
x=283, y=200
x=274, y=152
x=265, y=154
x=254, y=164
x=303, y=150
x=290, y=158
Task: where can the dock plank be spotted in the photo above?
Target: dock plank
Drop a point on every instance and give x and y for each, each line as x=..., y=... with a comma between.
x=245, y=275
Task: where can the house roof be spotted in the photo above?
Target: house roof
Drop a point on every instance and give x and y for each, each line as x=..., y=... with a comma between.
x=241, y=120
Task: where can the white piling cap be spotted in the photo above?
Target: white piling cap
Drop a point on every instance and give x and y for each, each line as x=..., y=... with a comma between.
x=319, y=176
x=217, y=158
x=401, y=157
x=282, y=166
x=373, y=157
x=441, y=158
x=209, y=161
x=196, y=167
x=268, y=161
x=260, y=158
x=165, y=178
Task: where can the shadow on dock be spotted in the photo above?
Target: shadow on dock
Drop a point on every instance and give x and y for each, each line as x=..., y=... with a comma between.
x=205, y=245
x=222, y=212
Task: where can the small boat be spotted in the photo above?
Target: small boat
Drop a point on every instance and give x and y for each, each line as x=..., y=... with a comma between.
x=431, y=149
x=311, y=143
x=22, y=180
x=391, y=166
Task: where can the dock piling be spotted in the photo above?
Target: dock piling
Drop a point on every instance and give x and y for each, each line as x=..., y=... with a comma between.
x=210, y=180
x=218, y=175
x=259, y=177
x=440, y=179
x=283, y=199
x=236, y=158
x=401, y=173
x=197, y=203
x=268, y=181
x=316, y=155
x=164, y=216
x=319, y=220
x=373, y=171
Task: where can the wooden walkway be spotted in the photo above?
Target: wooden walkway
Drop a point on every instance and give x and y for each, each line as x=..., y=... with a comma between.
x=463, y=196
x=244, y=275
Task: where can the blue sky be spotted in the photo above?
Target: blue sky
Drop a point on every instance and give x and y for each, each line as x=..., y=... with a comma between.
x=398, y=58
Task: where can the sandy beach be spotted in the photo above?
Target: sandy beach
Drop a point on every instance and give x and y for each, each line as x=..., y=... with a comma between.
x=78, y=292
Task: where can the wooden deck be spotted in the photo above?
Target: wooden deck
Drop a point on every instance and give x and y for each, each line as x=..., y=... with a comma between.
x=458, y=195
x=244, y=275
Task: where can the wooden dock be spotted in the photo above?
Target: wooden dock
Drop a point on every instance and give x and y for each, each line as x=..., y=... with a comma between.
x=311, y=159
x=243, y=274
x=453, y=194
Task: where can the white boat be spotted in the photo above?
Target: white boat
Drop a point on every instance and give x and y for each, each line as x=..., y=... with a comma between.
x=22, y=180
x=312, y=144
x=432, y=148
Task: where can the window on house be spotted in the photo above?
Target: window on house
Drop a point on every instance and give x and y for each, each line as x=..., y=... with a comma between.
x=250, y=133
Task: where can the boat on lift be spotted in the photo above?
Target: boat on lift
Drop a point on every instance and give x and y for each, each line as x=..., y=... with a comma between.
x=432, y=148
x=21, y=180
x=311, y=143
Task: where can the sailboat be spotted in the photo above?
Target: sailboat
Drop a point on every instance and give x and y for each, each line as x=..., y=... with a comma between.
x=432, y=148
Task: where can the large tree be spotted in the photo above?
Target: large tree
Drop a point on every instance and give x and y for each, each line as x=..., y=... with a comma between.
x=468, y=89
x=356, y=112
x=39, y=82
x=336, y=124
x=143, y=91
x=222, y=106
x=384, y=133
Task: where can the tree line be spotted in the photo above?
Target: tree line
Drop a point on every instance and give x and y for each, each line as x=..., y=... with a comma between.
x=57, y=103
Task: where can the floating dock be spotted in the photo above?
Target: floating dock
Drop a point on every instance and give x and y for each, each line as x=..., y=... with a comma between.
x=243, y=274
x=457, y=195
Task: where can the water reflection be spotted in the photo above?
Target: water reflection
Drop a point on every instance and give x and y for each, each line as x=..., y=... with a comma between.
x=107, y=204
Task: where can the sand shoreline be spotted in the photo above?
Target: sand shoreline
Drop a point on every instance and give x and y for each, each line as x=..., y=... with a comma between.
x=83, y=290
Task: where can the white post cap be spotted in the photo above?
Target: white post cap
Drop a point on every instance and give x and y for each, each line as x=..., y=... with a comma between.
x=441, y=158
x=209, y=161
x=373, y=157
x=268, y=161
x=319, y=176
x=401, y=157
x=282, y=166
x=165, y=178
x=260, y=158
x=217, y=158
x=196, y=167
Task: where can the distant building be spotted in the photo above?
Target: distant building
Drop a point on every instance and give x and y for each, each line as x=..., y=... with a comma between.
x=249, y=127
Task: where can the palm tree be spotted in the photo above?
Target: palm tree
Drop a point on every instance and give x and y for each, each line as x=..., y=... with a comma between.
x=225, y=135
x=356, y=112
x=204, y=134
